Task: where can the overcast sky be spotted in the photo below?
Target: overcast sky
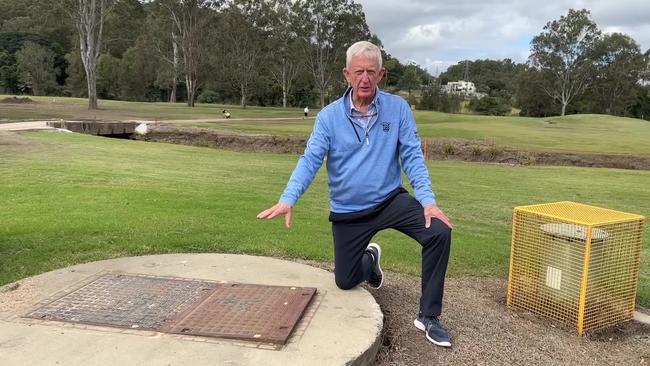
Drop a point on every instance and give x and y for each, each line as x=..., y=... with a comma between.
x=439, y=33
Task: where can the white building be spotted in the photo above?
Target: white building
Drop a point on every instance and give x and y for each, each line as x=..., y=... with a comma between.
x=463, y=88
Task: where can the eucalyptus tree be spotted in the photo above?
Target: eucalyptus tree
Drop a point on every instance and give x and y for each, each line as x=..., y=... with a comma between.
x=191, y=19
x=89, y=17
x=161, y=33
x=327, y=29
x=245, y=26
x=618, y=70
x=124, y=25
x=284, y=61
x=565, y=53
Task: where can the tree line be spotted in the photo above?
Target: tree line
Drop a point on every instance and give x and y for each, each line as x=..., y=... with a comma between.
x=290, y=53
x=273, y=52
x=573, y=68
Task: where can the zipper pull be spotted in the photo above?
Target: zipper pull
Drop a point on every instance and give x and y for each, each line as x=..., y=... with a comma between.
x=367, y=142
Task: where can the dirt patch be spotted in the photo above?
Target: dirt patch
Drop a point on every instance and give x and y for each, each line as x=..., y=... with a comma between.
x=433, y=149
x=485, y=331
x=16, y=100
x=215, y=139
x=484, y=151
x=18, y=295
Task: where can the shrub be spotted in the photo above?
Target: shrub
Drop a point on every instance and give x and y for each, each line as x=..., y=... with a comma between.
x=494, y=151
x=208, y=96
x=448, y=149
x=476, y=151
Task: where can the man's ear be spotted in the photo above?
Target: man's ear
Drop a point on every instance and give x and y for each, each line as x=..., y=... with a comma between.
x=346, y=74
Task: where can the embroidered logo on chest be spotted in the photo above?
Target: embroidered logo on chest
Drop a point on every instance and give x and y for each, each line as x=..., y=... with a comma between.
x=385, y=126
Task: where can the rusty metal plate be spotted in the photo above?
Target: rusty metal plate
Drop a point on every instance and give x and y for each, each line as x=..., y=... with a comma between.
x=126, y=301
x=247, y=312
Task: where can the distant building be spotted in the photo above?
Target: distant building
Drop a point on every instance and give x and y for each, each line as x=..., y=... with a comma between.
x=463, y=88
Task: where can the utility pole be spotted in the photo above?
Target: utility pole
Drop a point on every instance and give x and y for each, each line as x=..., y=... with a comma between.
x=466, y=74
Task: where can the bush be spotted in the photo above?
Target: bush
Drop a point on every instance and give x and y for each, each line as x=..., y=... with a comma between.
x=494, y=151
x=208, y=96
x=493, y=106
x=448, y=149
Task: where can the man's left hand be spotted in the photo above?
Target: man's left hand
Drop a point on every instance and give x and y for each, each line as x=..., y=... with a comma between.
x=431, y=211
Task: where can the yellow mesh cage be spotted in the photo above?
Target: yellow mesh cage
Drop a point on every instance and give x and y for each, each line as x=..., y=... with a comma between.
x=575, y=263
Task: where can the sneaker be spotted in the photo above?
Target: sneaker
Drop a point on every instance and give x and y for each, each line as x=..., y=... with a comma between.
x=377, y=275
x=435, y=332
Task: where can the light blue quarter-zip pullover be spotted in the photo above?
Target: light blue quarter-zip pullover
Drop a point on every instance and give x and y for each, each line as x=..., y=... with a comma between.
x=363, y=162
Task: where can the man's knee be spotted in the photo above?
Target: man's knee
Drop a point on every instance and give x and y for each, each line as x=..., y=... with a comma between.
x=439, y=234
x=344, y=283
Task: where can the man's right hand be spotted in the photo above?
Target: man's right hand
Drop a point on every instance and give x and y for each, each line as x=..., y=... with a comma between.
x=278, y=209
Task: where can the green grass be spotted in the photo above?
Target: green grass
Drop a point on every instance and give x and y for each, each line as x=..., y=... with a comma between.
x=587, y=133
x=69, y=198
x=77, y=108
x=599, y=134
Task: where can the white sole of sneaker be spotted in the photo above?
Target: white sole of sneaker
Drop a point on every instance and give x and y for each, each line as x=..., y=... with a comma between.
x=418, y=324
x=376, y=246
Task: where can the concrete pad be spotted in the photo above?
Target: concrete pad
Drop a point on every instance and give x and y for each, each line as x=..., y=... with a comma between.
x=25, y=126
x=339, y=328
x=641, y=317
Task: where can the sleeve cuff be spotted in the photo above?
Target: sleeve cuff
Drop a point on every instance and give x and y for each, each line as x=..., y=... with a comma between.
x=288, y=200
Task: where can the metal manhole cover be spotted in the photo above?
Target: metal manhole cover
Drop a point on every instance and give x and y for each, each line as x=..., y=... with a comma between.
x=126, y=301
x=183, y=306
x=247, y=312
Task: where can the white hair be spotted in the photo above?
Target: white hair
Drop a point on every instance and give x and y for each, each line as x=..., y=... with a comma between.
x=363, y=48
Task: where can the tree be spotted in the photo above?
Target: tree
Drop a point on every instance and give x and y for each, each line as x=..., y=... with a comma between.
x=327, y=29
x=8, y=79
x=618, y=69
x=35, y=66
x=641, y=108
x=75, y=84
x=284, y=63
x=88, y=17
x=190, y=19
x=137, y=73
x=488, y=75
x=410, y=79
x=108, y=76
x=564, y=52
x=436, y=100
x=530, y=96
x=242, y=44
x=493, y=106
x=124, y=24
x=162, y=34
x=394, y=72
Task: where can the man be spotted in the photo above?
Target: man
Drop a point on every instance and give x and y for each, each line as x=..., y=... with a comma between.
x=365, y=135
x=306, y=112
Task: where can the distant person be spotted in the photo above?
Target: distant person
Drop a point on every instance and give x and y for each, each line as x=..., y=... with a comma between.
x=368, y=137
x=306, y=111
x=226, y=114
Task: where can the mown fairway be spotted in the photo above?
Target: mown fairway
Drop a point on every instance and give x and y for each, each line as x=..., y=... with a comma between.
x=69, y=198
x=77, y=108
x=578, y=133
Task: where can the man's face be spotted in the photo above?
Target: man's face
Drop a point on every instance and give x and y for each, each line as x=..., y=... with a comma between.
x=363, y=74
